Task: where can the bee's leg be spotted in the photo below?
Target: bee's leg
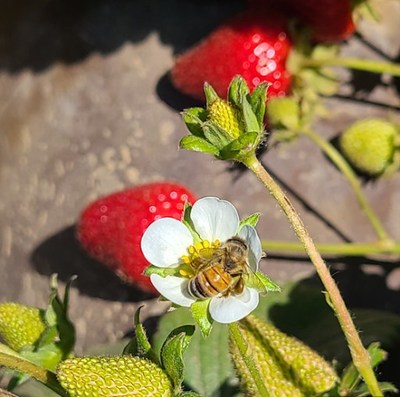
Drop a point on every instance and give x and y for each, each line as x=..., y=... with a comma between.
x=238, y=286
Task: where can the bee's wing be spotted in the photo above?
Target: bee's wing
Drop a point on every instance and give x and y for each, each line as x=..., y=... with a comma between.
x=209, y=257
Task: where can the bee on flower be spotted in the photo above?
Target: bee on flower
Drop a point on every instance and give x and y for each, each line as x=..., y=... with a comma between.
x=209, y=256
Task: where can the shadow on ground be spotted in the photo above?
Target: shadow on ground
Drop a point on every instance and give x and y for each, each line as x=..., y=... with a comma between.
x=62, y=254
x=36, y=34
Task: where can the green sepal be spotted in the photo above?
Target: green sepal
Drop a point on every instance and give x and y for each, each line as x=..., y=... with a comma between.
x=250, y=119
x=193, y=118
x=216, y=135
x=251, y=220
x=201, y=316
x=237, y=91
x=161, y=271
x=240, y=147
x=187, y=221
x=261, y=282
x=198, y=144
x=188, y=394
x=210, y=94
x=258, y=100
x=171, y=353
x=139, y=344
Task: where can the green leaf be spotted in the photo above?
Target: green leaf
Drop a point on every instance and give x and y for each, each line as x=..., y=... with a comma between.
x=139, y=345
x=237, y=90
x=251, y=220
x=194, y=118
x=210, y=94
x=208, y=367
x=258, y=101
x=261, y=282
x=202, y=316
x=197, y=144
x=171, y=353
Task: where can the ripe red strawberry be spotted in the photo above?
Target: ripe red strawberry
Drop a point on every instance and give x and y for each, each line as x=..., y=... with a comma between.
x=253, y=44
x=329, y=20
x=111, y=228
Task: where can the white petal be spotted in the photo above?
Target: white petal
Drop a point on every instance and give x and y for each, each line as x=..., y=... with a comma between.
x=249, y=234
x=234, y=307
x=165, y=241
x=214, y=219
x=173, y=288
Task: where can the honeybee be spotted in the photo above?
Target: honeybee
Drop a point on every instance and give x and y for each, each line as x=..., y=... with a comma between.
x=221, y=272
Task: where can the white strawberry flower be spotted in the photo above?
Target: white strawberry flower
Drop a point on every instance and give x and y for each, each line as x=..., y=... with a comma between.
x=167, y=244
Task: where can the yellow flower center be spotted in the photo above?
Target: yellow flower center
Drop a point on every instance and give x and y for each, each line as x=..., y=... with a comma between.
x=198, y=254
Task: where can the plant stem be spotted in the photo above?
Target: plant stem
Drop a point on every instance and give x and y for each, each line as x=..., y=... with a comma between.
x=366, y=65
x=240, y=342
x=360, y=356
x=348, y=172
x=348, y=249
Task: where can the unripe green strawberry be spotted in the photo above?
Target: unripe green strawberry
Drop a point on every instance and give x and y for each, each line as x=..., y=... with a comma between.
x=288, y=366
x=225, y=116
x=283, y=112
x=113, y=376
x=20, y=325
x=370, y=145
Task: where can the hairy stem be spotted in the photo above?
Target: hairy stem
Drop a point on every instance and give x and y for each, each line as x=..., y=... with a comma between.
x=241, y=344
x=360, y=356
x=348, y=249
x=366, y=65
x=349, y=174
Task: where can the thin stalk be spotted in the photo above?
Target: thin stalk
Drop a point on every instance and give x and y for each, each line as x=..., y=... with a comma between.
x=242, y=346
x=366, y=65
x=348, y=172
x=347, y=249
x=360, y=356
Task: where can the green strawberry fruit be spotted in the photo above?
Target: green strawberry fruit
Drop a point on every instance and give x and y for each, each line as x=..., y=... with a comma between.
x=370, y=145
x=113, y=376
x=20, y=325
x=288, y=366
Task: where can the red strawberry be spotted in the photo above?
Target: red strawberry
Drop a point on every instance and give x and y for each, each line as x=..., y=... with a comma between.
x=252, y=44
x=329, y=20
x=111, y=228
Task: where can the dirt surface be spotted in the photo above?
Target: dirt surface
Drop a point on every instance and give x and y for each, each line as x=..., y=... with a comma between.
x=86, y=108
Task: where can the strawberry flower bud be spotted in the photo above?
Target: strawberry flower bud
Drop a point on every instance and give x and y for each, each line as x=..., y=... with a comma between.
x=289, y=367
x=111, y=376
x=229, y=129
x=20, y=325
x=372, y=146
